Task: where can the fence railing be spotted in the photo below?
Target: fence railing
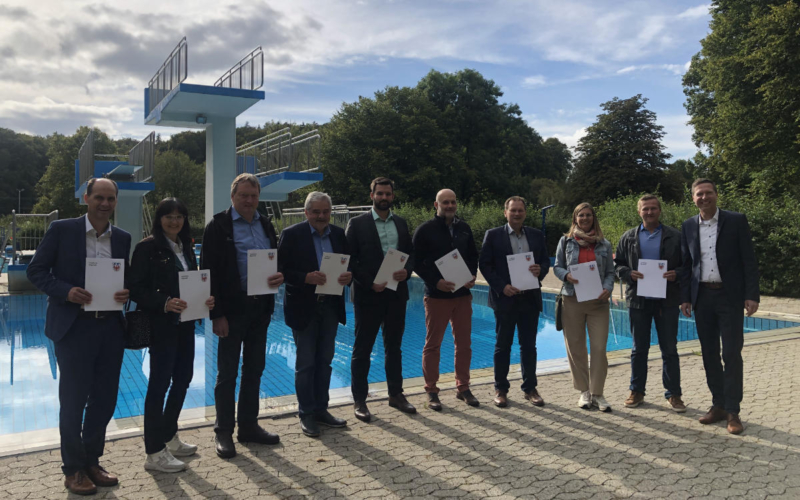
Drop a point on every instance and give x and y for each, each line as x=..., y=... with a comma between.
x=340, y=214
x=169, y=75
x=246, y=74
x=27, y=231
x=280, y=152
x=86, y=159
x=144, y=155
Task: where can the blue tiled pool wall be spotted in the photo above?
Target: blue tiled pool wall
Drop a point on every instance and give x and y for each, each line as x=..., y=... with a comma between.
x=28, y=372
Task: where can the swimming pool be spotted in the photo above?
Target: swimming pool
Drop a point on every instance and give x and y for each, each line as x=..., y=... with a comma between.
x=29, y=376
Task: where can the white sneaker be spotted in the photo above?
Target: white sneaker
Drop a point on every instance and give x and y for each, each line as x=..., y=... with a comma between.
x=180, y=449
x=601, y=403
x=163, y=461
x=585, y=401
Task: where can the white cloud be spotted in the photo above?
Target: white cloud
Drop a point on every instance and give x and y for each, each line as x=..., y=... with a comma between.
x=675, y=69
x=695, y=12
x=534, y=81
x=44, y=107
x=678, y=138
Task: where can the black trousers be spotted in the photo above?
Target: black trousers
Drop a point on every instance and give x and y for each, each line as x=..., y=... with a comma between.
x=248, y=329
x=89, y=358
x=388, y=313
x=666, y=320
x=316, y=346
x=524, y=317
x=716, y=319
x=171, y=367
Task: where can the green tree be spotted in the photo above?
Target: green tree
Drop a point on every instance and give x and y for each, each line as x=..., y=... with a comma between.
x=176, y=175
x=621, y=153
x=23, y=160
x=741, y=93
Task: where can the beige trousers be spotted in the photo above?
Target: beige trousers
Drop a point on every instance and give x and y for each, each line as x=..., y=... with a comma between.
x=577, y=317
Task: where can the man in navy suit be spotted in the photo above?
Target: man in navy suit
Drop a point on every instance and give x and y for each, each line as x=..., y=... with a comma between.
x=313, y=318
x=89, y=345
x=514, y=308
x=719, y=282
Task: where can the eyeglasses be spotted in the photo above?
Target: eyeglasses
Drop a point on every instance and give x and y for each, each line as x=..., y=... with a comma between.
x=174, y=218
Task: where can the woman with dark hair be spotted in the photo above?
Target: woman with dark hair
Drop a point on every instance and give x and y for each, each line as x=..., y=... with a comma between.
x=154, y=287
x=585, y=243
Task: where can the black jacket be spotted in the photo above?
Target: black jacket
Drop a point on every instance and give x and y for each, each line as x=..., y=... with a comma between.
x=154, y=278
x=218, y=254
x=431, y=241
x=736, y=258
x=366, y=256
x=627, y=260
x=297, y=257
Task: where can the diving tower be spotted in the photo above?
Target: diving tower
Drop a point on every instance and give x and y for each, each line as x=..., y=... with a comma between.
x=133, y=174
x=170, y=102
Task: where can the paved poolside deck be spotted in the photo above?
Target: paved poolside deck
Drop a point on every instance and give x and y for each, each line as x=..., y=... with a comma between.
x=558, y=451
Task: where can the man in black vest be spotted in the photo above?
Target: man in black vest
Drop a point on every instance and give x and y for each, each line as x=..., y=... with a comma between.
x=370, y=237
x=238, y=319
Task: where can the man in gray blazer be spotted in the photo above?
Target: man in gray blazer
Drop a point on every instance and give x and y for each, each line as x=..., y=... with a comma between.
x=719, y=282
x=369, y=237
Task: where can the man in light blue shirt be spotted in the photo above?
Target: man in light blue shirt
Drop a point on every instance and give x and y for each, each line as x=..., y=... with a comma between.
x=247, y=235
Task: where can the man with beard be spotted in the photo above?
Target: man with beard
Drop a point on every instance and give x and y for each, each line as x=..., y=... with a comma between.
x=445, y=301
x=370, y=236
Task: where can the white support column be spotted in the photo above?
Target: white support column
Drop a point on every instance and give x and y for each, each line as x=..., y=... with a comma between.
x=128, y=214
x=220, y=163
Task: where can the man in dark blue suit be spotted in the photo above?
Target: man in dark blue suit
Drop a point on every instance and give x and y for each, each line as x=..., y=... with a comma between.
x=514, y=308
x=89, y=345
x=313, y=318
x=720, y=281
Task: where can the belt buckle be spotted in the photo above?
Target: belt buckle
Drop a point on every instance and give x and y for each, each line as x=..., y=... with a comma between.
x=321, y=298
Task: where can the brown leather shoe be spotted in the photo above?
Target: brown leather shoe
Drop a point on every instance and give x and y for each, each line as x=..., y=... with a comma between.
x=735, y=424
x=80, y=484
x=677, y=404
x=714, y=415
x=401, y=403
x=361, y=411
x=433, y=402
x=467, y=397
x=634, y=400
x=100, y=476
x=534, y=397
x=500, y=400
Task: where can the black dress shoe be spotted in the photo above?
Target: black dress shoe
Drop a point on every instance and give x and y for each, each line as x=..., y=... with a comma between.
x=401, y=403
x=325, y=418
x=468, y=398
x=309, y=426
x=258, y=435
x=433, y=402
x=361, y=411
x=224, y=445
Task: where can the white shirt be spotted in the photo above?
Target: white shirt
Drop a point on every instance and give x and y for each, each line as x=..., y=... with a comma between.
x=178, y=249
x=709, y=269
x=97, y=246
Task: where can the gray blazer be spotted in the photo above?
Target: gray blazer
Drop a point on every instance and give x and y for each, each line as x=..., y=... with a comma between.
x=567, y=255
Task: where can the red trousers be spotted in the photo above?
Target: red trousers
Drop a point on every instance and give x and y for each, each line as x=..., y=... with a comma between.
x=438, y=313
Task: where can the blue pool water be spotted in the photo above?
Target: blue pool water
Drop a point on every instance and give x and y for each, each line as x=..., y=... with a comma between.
x=28, y=372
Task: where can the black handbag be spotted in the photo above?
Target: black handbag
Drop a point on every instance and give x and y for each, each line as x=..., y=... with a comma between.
x=138, y=329
x=559, y=311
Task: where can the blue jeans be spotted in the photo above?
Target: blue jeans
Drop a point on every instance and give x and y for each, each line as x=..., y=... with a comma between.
x=666, y=320
x=315, y=345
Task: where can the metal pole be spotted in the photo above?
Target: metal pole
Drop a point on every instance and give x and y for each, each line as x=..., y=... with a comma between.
x=19, y=200
x=544, y=218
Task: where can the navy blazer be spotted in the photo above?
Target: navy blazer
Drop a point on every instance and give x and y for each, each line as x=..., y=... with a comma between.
x=296, y=258
x=494, y=266
x=367, y=256
x=59, y=264
x=736, y=258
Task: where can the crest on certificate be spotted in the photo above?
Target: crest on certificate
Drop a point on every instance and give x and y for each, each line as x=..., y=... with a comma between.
x=344, y=260
x=116, y=266
x=204, y=277
x=271, y=256
x=402, y=258
x=528, y=257
x=591, y=266
x=661, y=265
x=455, y=255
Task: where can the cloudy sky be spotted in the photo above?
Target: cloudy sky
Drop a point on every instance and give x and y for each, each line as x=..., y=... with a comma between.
x=69, y=63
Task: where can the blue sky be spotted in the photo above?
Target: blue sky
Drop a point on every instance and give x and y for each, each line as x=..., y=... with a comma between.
x=65, y=64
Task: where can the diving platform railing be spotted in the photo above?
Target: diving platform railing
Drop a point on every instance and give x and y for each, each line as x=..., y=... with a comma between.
x=280, y=152
x=171, y=74
x=246, y=74
x=340, y=214
x=27, y=231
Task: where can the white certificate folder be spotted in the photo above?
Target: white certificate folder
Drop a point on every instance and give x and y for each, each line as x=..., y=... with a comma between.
x=393, y=261
x=261, y=264
x=333, y=265
x=521, y=277
x=589, y=286
x=454, y=269
x=195, y=289
x=104, y=278
x=654, y=284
